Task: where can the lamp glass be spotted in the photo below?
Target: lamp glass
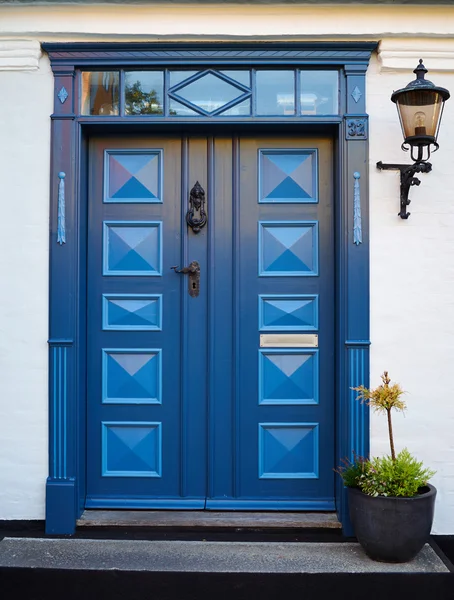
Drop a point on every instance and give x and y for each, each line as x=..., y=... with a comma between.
x=420, y=114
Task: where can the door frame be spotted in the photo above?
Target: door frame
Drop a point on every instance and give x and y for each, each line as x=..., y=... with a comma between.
x=65, y=486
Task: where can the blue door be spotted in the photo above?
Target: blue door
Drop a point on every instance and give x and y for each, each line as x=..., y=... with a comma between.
x=220, y=397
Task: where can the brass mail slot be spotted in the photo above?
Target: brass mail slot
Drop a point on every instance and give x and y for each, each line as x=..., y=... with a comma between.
x=289, y=340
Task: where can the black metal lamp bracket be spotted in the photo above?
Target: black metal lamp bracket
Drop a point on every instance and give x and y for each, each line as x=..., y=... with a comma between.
x=407, y=179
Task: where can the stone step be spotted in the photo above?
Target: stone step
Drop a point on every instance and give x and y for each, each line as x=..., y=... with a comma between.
x=35, y=568
x=207, y=557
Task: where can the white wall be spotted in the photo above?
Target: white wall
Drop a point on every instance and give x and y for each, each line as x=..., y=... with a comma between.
x=412, y=262
x=412, y=287
x=25, y=105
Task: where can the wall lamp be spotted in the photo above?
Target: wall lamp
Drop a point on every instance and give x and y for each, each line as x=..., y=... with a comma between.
x=420, y=107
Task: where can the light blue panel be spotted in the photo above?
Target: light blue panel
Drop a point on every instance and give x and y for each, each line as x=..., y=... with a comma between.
x=288, y=450
x=288, y=376
x=288, y=176
x=288, y=248
x=133, y=175
x=131, y=376
x=279, y=312
x=131, y=449
x=132, y=248
x=132, y=312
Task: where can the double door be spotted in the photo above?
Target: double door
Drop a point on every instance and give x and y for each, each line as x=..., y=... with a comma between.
x=212, y=387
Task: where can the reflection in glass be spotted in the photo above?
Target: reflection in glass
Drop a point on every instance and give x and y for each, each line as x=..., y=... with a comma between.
x=180, y=110
x=243, y=109
x=209, y=93
x=144, y=92
x=319, y=93
x=100, y=92
x=243, y=77
x=176, y=77
x=275, y=92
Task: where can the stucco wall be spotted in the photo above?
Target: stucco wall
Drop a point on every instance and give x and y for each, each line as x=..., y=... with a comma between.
x=25, y=106
x=412, y=262
x=412, y=285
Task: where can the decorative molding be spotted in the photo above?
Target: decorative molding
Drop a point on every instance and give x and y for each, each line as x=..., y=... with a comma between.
x=61, y=220
x=19, y=55
x=120, y=54
x=358, y=412
x=62, y=95
x=58, y=432
x=356, y=129
x=357, y=224
x=403, y=55
x=356, y=94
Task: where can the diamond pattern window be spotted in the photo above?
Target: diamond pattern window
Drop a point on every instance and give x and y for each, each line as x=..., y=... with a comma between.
x=208, y=93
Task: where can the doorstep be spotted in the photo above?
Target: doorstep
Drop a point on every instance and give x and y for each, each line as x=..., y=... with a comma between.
x=211, y=520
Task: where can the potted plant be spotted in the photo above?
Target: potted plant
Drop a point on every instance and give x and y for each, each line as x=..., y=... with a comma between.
x=390, y=500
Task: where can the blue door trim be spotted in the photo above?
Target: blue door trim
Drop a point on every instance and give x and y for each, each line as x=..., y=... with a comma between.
x=65, y=489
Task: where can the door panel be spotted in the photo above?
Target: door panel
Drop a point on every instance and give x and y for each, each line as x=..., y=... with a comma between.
x=282, y=404
x=138, y=445
x=189, y=406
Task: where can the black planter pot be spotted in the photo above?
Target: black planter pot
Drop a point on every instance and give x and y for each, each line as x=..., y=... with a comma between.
x=392, y=529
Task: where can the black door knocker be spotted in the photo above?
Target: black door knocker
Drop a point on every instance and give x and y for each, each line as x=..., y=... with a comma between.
x=196, y=216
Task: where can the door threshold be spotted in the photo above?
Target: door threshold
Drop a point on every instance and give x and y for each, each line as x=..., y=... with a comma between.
x=180, y=519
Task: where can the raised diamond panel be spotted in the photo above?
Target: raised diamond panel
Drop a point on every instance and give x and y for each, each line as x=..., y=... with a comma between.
x=288, y=450
x=288, y=176
x=288, y=313
x=132, y=312
x=288, y=377
x=132, y=248
x=131, y=449
x=288, y=248
x=133, y=176
x=131, y=376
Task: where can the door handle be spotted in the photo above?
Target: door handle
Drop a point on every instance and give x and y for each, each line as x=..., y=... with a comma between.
x=193, y=270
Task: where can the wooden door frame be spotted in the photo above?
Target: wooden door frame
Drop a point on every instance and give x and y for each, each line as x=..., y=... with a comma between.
x=65, y=487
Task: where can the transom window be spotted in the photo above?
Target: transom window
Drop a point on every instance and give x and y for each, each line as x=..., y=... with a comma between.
x=210, y=93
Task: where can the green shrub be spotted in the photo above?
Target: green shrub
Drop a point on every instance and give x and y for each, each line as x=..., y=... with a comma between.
x=403, y=476
x=351, y=472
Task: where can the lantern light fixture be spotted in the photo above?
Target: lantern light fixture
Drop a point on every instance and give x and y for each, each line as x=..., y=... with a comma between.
x=420, y=107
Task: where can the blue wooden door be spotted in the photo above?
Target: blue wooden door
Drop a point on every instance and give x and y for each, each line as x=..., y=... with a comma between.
x=272, y=331
x=146, y=434
x=225, y=400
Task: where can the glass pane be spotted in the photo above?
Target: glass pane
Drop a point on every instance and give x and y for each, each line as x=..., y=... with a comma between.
x=209, y=92
x=177, y=77
x=420, y=113
x=100, y=92
x=275, y=92
x=319, y=93
x=144, y=91
x=177, y=109
x=243, y=109
x=243, y=77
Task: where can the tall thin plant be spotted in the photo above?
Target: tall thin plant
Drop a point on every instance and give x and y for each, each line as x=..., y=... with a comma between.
x=384, y=399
